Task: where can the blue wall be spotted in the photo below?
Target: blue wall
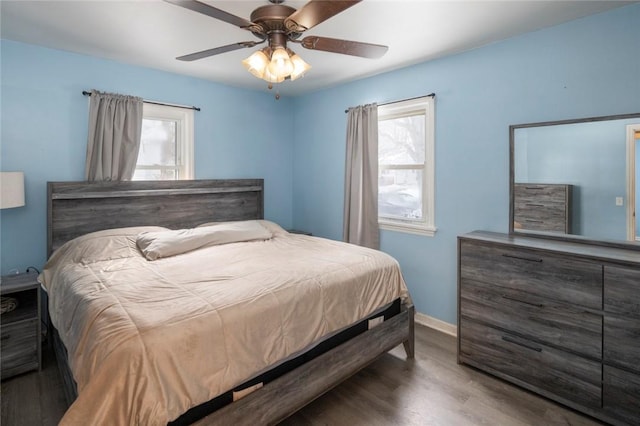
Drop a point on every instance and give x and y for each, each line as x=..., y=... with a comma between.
x=590, y=156
x=238, y=133
x=584, y=68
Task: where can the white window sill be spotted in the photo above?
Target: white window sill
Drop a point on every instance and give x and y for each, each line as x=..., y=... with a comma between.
x=409, y=228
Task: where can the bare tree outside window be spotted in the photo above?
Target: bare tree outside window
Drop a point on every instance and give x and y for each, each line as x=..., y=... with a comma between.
x=401, y=146
x=166, y=145
x=157, y=151
x=405, y=166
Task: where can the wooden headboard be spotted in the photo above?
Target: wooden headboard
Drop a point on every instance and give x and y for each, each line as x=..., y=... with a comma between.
x=78, y=208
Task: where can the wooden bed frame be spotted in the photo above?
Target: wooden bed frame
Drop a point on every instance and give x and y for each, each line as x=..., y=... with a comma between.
x=77, y=208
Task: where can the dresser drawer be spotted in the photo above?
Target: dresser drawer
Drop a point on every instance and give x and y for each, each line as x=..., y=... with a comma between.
x=621, y=395
x=551, y=219
x=546, y=275
x=561, y=373
x=622, y=341
x=622, y=290
x=19, y=346
x=542, y=195
x=622, y=317
x=538, y=318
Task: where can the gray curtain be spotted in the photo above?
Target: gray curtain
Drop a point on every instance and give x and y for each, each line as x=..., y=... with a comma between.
x=361, y=178
x=115, y=126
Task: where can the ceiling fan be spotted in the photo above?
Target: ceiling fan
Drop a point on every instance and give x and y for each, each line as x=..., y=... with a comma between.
x=278, y=24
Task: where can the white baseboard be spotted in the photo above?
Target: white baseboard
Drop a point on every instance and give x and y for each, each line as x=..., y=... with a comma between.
x=436, y=324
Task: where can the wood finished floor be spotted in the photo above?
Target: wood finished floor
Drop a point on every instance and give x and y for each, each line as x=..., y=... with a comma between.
x=430, y=390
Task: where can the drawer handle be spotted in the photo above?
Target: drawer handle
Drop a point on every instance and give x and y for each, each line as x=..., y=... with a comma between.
x=536, y=188
x=534, y=205
x=524, y=345
x=533, y=221
x=538, y=305
x=528, y=259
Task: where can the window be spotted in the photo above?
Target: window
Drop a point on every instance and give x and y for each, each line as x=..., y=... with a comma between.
x=166, y=145
x=406, y=166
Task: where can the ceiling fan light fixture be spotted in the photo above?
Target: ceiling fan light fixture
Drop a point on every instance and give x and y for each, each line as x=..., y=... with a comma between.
x=277, y=25
x=299, y=67
x=257, y=63
x=274, y=66
x=280, y=64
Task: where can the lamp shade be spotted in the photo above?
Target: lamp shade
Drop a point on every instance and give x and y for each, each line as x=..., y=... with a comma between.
x=280, y=65
x=257, y=63
x=299, y=67
x=11, y=189
x=271, y=78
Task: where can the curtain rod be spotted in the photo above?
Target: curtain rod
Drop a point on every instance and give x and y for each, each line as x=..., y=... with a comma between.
x=84, y=92
x=430, y=95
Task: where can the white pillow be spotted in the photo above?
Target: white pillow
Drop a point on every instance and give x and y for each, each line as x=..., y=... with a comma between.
x=155, y=245
x=271, y=226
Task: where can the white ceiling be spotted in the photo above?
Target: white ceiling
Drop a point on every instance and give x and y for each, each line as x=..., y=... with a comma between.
x=152, y=33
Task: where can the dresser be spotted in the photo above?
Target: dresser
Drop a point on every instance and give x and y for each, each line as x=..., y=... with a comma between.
x=20, y=341
x=542, y=207
x=558, y=318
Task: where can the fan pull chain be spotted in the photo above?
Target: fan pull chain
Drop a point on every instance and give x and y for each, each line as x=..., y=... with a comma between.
x=270, y=86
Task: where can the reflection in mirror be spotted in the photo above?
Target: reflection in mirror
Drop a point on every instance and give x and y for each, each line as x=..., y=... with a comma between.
x=577, y=178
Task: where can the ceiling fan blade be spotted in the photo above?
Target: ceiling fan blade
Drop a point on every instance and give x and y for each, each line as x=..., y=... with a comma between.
x=346, y=47
x=205, y=9
x=315, y=12
x=217, y=50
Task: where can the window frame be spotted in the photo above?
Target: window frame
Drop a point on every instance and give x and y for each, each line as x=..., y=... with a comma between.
x=184, y=137
x=411, y=107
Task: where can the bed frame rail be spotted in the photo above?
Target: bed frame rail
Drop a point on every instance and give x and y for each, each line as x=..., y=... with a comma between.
x=282, y=397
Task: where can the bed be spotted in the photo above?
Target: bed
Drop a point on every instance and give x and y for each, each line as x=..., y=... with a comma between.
x=94, y=240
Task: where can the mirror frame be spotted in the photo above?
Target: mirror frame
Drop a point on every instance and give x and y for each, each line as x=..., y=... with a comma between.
x=550, y=235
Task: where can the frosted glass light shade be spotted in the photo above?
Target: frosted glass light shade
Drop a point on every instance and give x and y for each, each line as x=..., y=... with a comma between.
x=11, y=189
x=271, y=78
x=257, y=63
x=299, y=67
x=280, y=64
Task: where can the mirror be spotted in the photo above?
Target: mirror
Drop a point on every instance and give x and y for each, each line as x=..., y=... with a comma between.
x=577, y=179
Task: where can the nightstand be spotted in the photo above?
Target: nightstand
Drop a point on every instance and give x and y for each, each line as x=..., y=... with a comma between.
x=20, y=343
